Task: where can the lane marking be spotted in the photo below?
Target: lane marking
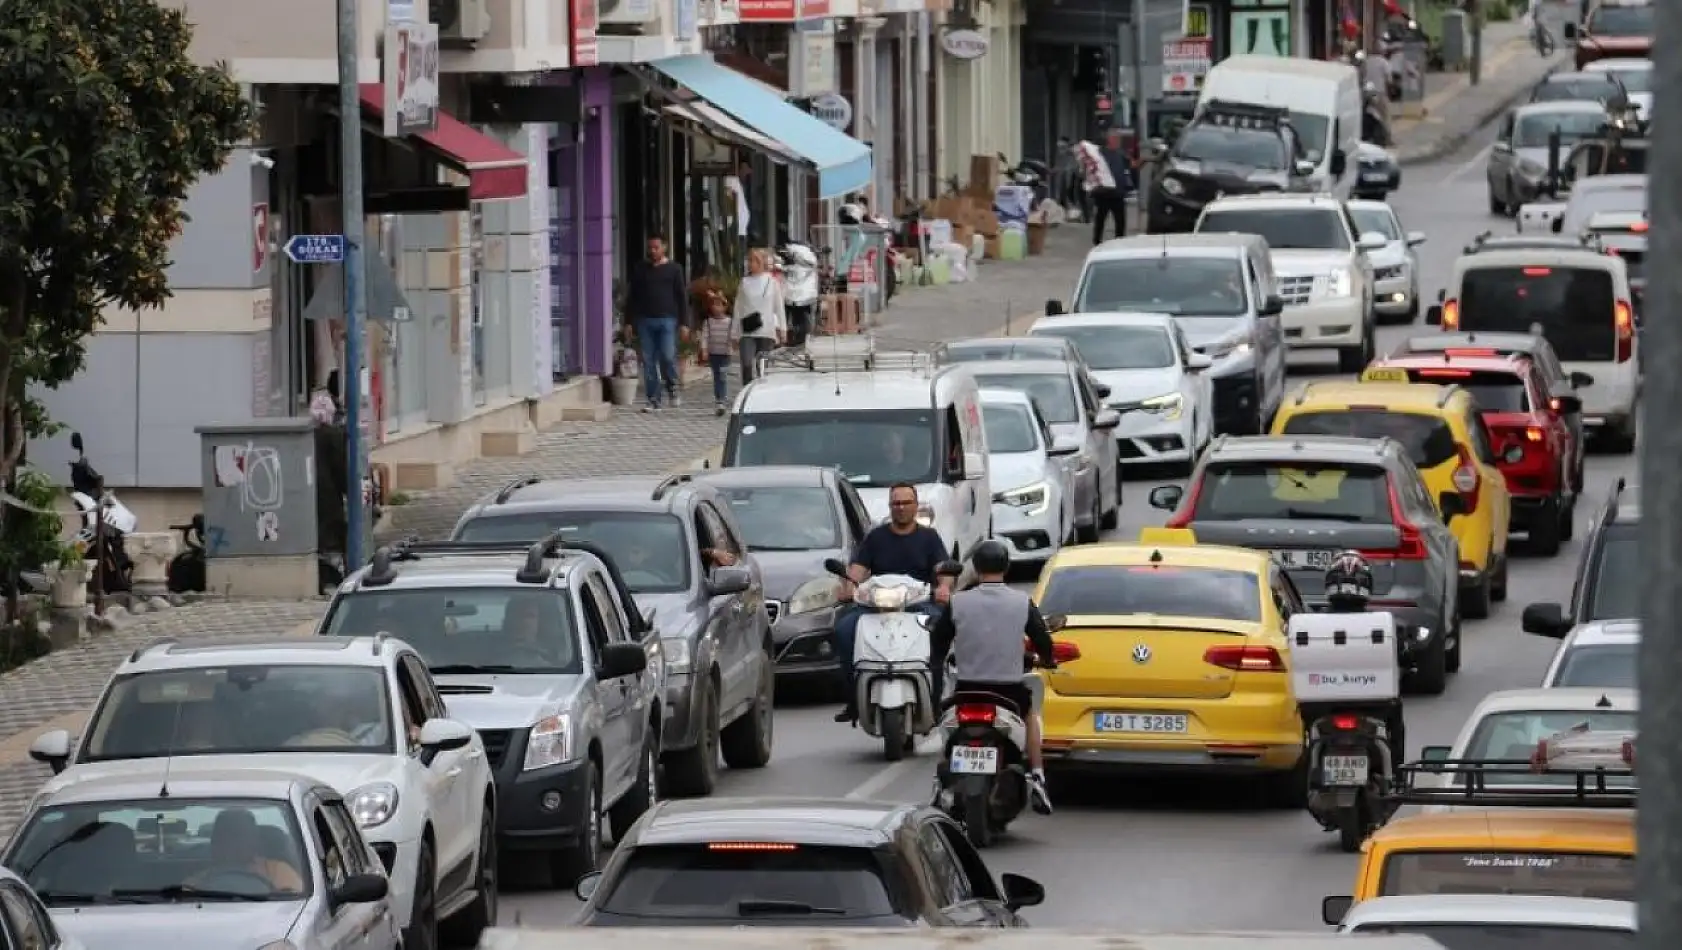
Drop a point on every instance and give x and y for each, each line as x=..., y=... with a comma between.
x=1476, y=163
x=886, y=776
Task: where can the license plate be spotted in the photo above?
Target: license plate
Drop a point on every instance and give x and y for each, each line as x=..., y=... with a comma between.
x=1343, y=770
x=974, y=760
x=1301, y=560
x=1164, y=723
x=1374, y=176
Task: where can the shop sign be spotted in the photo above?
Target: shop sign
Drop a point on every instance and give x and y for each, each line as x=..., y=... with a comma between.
x=585, y=17
x=782, y=11
x=833, y=110
x=1184, y=64
x=815, y=63
x=411, y=78
x=1195, y=19
x=964, y=44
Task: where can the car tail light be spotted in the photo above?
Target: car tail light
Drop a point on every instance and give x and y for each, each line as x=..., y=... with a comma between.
x=1537, y=271
x=977, y=714
x=1246, y=659
x=1466, y=480
x=1556, y=405
x=1344, y=722
x=1623, y=320
x=1410, y=544
x=1534, y=434
x=751, y=846
x=1469, y=351
x=1181, y=518
x=1063, y=651
x=1443, y=373
x=1451, y=315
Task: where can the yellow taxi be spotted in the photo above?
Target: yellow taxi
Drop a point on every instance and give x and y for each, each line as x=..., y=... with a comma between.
x=1443, y=431
x=1182, y=661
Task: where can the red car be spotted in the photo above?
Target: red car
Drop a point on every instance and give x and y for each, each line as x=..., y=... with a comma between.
x=1613, y=29
x=1534, y=445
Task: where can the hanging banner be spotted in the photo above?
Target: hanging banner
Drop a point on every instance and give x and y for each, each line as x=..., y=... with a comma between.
x=585, y=18
x=410, y=71
x=1184, y=64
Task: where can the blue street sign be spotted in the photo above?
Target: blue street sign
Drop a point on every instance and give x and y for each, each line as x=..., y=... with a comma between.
x=316, y=248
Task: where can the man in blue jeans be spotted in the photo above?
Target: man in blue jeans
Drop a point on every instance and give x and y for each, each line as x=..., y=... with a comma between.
x=657, y=301
x=901, y=546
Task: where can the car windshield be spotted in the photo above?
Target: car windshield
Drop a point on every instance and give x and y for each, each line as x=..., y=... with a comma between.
x=1283, y=228
x=162, y=850
x=508, y=629
x=1117, y=347
x=1573, y=305
x=1634, y=78
x=648, y=547
x=1615, y=592
x=785, y=517
x=1055, y=393
x=1605, y=665
x=739, y=882
x=1588, y=88
x=1428, y=439
x=1183, y=286
x=1621, y=21
x=1381, y=220
x=1532, y=130
x=1313, y=131
x=242, y=710
x=1021, y=348
x=873, y=448
x=1359, y=494
x=1010, y=428
x=1513, y=936
x=1251, y=148
x=1512, y=737
x=1212, y=593
x=1540, y=873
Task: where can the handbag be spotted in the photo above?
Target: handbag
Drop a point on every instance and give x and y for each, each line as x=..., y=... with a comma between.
x=753, y=322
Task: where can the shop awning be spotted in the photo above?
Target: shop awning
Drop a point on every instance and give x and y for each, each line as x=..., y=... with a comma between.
x=719, y=123
x=494, y=171
x=842, y=162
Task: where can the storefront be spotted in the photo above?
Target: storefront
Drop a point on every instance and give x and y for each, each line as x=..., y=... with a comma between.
x=980, y=113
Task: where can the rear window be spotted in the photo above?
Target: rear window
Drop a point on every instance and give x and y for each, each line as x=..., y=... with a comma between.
x=1572, y=305
x=1608, y=666
x=1355, y=493
x=1512, y=737
x=1428, y=439
x=1514, y=936
x=1495, y=392
x=1054, y=393
x=749, y=882
x=1613, y=591
x=1142, y=589
x=1607, y=876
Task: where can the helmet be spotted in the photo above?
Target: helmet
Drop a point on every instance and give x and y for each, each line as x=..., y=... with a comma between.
x=990, y=557
x=1349, y=577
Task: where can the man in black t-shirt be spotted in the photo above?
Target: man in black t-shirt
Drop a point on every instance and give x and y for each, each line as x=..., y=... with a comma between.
x=902, y=546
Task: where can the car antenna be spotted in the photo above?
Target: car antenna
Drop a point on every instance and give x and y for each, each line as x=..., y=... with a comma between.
x=169, y=752
x=1162, y=261
x=1156, y=556
x=1604, y=703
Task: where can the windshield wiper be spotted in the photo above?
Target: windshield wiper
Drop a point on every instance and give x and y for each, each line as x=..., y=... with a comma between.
x=457, y=669
x=778, y=547
x=1302, y=514
x=753, y=906
x=180, y=891
x=74, y=897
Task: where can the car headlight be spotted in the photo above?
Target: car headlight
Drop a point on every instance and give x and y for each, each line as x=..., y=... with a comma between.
x=819, y=593
x=925, y=516
x=1389, y=273
x=1169, y=406
x=1340, y=282
x=550, y=743
x=1033, y=499
x=1229, y=346
x=1173, y=187
x=888, y=598
x=373, y=805
x=677, y=655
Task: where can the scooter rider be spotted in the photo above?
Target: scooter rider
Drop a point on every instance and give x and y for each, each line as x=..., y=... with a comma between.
x=986, y=625
x=1348, y=591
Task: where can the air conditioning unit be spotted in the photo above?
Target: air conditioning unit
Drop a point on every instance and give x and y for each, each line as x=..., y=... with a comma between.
x=461, y=21
x=622, y=13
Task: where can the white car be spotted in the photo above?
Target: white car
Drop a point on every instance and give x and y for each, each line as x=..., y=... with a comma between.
x=1395, y=267
x=171, y=849
x=36, y=929
x=1320, y=260
x=1033, y=503
x=1157, y=381
x=360, y=714
x=1599, y=655
x=1636, y=76
x=1507, y=725
x=1516, y=920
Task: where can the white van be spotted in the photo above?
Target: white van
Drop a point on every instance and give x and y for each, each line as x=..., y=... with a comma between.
x=881, y=417
x=1324, y=99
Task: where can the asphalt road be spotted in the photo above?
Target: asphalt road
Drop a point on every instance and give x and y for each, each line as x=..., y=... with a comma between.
x=1143, y=855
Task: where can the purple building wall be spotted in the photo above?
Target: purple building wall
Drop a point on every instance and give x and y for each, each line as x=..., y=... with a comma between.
x=581, y=233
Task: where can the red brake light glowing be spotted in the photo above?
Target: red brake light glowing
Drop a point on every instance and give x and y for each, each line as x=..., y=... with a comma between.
x=977, y=714
x=1465, y=351
x=1410, y=544
x=1444, y=373
x=1345, y=722
x=1064, y=651
x=1538, y=271
x=1535, y=434
x=1623, y=322
x=1638, y=227
x=1245, y=659
x=751, y=846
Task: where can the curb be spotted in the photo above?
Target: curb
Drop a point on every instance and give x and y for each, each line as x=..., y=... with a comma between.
x=1454, y=140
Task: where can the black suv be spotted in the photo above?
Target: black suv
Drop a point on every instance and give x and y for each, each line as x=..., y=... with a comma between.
x=1230, y=148
x=1607, y=586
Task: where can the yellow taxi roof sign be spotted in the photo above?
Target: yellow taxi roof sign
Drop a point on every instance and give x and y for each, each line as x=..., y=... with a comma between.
x=1176, y=537
x=1385, y=374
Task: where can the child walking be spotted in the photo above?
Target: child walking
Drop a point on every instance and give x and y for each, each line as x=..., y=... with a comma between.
x=718, y=340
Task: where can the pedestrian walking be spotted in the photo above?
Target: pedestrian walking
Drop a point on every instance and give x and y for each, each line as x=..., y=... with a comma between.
x=657, y=303
x=1109, y=193
x=718, y=341
x=761, y=318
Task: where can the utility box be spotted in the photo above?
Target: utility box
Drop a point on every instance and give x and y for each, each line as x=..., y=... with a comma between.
x=1454, y=40
x=259, y=508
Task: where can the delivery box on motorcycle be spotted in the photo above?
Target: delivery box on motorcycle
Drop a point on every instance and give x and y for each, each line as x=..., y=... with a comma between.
x=1344, y=658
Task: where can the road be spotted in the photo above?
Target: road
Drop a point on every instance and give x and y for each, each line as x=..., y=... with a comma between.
x=1155, y=856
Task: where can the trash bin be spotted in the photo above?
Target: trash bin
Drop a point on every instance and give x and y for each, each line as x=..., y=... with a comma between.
x=1455, y=42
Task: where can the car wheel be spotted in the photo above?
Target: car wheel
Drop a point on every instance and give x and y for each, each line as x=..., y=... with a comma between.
x=693, y=772
x=1352, y=359
x=1431, y=677
x=422, y=932
x=1288, y=789
x=1568, y=520
x=1451, y=656
x=568, y=865
x=1413, y=307
x=1547, y=529
x=1112, y=517
x=641, y=796
x=1620, y=440
x=747, y=741
x=1089, y=533
x=1496, y=205
x=1474, y=600
x=1498, y=586
x=465, y=927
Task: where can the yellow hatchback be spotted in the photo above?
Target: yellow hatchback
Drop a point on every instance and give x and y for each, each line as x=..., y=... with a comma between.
x=1183, y=661
x=1443, y=431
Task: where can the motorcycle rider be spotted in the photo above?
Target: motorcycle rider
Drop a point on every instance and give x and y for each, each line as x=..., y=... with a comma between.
x=1349, y=591
x=986, y=625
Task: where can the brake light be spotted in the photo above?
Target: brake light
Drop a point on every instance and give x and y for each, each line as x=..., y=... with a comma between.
x=1451, y=315
x=1623, y=320
x=1444, y=373
x=1537, y=271
x=1344, y=722
x=1466, y=351
x=977, y=714
x=1466, y=480
x=1638, y=227
x=1063, y=651
x=751, y=846
x=1410, y=544
x=1245, y=659
x=1181, y=518
x=1534, y=434
x=1556, y=405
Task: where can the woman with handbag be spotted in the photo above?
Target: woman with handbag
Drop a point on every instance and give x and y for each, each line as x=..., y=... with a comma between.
x=761, y=319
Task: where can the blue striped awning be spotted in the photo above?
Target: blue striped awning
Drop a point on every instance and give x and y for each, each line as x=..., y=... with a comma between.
x=842, y=162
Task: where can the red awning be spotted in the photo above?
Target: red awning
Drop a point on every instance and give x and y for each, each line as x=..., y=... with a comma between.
x=493, y=169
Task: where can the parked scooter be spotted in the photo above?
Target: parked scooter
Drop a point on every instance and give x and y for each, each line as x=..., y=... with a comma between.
x=186, y=568
x=107, y=544
x=892, y=659
x=1030, y=173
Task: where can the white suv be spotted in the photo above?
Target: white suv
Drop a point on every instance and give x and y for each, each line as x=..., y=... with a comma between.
x=359, y=714
x=1320, y=264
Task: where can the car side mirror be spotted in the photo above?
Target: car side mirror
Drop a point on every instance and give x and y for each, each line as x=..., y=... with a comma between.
x=1020, y=891
x=1272, y=306
x=442, y=735
x=1567, y=405
x=360, y=889
x=1434, y=315
x=1416, y=238
x=1435, y=753
x=1340, y=162
x=1167, y=497
x=1103, y=390
x=1372, y=241
x=586, y=885
x=1581, y=380
x=1063, y=450
x=1334, y=909
x=949, y=568
x=1544, y=620
x=1107, y=419
x=1054, y=308
x=1451, y=504
x=1570, y=31
x=51, y=749
x=728, y=580
x=621, y=659
x=1198, y=362
x=975, y=466
x=836, y=566
x=1303, y=168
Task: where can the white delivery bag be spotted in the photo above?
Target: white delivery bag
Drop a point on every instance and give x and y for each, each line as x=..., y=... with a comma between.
x=1344, y=658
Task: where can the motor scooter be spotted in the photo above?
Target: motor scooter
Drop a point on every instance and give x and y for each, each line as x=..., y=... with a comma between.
x=1350, y=765
x=1030, y=173
x=892, y=663
x=94, y=503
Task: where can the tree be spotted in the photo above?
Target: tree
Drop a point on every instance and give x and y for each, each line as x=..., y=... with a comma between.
x=105, y=123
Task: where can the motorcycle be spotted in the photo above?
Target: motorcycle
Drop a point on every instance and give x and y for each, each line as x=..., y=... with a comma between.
x=1030, y=173
x=105, y=543
x=894, y=673
x=186, y=569
x=1350, y=764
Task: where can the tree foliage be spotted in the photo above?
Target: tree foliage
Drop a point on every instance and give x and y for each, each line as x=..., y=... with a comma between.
x=105, y=122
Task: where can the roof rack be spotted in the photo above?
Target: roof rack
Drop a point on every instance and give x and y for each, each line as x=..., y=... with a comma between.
x=1594, y=760
x=848, y=354
x=1243, y=115
x=380, y=639
x=1488, y=240
x=509, y=490
x=668, y=483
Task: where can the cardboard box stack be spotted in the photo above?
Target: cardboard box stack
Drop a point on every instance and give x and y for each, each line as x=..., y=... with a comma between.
x=838, y=314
